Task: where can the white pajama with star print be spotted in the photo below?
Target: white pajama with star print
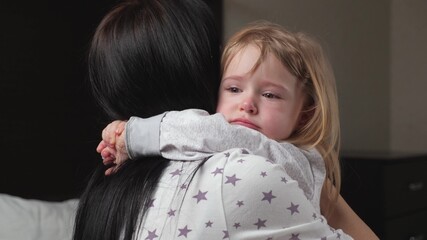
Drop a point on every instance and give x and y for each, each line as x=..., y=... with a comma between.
x=194, y=134
x=232, y=195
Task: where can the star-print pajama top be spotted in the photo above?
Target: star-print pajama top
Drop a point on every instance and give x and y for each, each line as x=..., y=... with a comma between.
x=194, y=135
x=233, y=195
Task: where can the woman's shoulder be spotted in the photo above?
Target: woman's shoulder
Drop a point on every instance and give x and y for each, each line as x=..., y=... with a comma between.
x=253, y=171
x=260, y=198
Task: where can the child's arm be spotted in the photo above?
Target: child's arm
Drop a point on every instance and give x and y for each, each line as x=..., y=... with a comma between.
x=194, y=134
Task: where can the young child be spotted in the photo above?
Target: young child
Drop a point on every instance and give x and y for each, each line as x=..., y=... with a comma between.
x=275, y=82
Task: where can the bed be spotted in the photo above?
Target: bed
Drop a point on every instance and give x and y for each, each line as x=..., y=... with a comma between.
x=28, y=219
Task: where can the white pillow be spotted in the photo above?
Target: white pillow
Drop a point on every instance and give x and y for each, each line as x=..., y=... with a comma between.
x=25, y=219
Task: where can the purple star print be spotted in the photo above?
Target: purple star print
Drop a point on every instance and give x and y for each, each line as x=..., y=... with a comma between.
x=295, y=237
x=293, y=208
x=209, y=224
x=233, y=179
x=268, y=196
x=244, y=151
x=184, y=231
x=200, y=196
x=217, y=171
x=236, y=225
x=240, y=203
x=171, y=213
x=151, y=203
x=151, y=235
x=176, y=173
x=225, y=234
x=260, y=223
x=284, y=180
x=263, y=174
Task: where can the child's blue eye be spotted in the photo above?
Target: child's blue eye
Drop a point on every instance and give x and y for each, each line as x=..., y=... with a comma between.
x=233, y=89
x=270, y=95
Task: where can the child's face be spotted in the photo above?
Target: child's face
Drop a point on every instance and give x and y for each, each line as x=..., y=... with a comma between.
x=269, y=99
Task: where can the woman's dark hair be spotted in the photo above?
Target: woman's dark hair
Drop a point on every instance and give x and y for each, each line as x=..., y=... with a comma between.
x=150, y=56
x=146, y=57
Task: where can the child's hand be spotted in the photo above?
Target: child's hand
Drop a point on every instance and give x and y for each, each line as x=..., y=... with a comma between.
x=112, y=147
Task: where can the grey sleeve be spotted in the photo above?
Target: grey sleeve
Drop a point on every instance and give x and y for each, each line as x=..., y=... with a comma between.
x=195, y=134
x=190, y=135
x=142, y=136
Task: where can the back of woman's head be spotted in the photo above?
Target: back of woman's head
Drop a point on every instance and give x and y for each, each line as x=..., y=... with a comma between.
x=151, y=56
x=146, y=57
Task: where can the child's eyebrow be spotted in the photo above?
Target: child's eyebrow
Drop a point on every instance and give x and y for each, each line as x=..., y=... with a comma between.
x=281, y=87
x=232, y=77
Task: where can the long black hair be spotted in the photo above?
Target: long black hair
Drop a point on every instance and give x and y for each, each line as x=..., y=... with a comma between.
x=146, y=57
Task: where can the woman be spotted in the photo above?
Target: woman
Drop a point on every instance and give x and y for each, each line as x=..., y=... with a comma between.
x=151, y=56
x=146, y=57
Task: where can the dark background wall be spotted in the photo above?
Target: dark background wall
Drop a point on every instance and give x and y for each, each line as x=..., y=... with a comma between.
x=49, y=124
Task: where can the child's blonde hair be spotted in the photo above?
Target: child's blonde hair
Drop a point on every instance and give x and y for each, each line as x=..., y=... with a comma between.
x=305, y=59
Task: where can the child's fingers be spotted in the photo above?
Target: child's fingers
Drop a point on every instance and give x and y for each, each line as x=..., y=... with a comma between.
x=108, y=161
x=109, y=133
x=108, y=137
x=107, y=152
x=108, y=156
x=102, y=144
x=120, y=127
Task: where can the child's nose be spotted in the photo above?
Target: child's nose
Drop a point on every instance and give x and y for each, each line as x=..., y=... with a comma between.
x=249, y=106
